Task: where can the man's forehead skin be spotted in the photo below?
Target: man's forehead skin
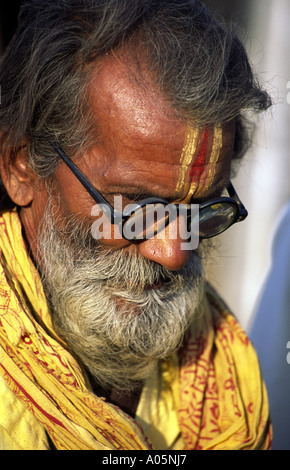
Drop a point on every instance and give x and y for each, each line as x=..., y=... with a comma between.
x=144, y=144
x=140, y=136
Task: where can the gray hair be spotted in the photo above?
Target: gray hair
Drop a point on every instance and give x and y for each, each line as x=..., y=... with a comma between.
x=198, y=62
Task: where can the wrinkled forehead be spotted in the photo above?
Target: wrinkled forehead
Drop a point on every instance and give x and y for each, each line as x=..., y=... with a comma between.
x=139, y=127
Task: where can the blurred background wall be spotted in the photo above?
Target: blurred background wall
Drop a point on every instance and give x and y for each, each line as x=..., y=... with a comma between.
x=243, y=258
x=263, y=182
x=253, y=273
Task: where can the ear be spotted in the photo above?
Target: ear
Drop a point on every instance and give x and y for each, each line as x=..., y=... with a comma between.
x=17, y=177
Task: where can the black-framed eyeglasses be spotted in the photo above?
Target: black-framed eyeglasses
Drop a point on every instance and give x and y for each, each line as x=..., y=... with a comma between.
x=215, y=215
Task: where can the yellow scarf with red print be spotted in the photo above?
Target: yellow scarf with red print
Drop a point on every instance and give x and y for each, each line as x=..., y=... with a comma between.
x=222, y=403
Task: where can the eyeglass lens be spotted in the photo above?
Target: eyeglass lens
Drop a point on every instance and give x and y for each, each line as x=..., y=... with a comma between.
x=149, y=220
x=216, y=218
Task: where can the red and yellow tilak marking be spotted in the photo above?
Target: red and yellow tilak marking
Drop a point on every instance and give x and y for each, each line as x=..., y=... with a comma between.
x=201, y=153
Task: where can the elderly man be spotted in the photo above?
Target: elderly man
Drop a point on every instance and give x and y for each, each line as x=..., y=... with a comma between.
x=110, y=336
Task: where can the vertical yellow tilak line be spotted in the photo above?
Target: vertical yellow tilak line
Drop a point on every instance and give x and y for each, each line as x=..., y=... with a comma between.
x=215, y=153
x=187, y=155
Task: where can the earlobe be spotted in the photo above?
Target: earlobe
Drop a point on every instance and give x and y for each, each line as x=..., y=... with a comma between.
x=17, y=177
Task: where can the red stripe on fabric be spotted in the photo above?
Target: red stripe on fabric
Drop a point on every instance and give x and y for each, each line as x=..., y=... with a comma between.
x=51, y=418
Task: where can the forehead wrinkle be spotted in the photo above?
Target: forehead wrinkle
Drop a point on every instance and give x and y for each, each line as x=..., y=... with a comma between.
x=157, y=158
x=143, y=178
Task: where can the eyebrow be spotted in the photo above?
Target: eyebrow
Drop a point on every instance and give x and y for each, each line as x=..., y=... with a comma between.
x=134, y=193
x=138, y=196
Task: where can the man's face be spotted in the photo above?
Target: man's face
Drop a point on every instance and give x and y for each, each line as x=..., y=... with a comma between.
x=123, y=306
x=138, y=153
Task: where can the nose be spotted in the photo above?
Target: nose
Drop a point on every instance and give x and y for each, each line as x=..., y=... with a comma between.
x=171, y=252
x=165, y=252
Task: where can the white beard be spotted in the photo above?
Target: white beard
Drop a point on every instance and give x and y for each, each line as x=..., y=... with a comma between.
x=103, y=307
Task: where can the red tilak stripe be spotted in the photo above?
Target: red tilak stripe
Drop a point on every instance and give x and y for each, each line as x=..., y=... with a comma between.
x=198, y=165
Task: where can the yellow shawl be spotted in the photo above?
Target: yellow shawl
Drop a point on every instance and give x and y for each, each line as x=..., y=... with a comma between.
x=222, y=402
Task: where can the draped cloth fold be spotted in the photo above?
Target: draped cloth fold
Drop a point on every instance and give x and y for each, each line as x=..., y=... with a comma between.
x=222, y=398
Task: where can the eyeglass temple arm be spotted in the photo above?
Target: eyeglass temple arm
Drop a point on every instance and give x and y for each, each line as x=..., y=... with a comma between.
x=106, y=207
x=232, y=193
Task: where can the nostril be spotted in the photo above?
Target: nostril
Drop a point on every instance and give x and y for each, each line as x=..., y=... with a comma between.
x=167, y=253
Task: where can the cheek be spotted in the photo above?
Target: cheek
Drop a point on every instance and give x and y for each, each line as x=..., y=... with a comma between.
x=104, y=232
x=70, y=196
x=72, y=200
